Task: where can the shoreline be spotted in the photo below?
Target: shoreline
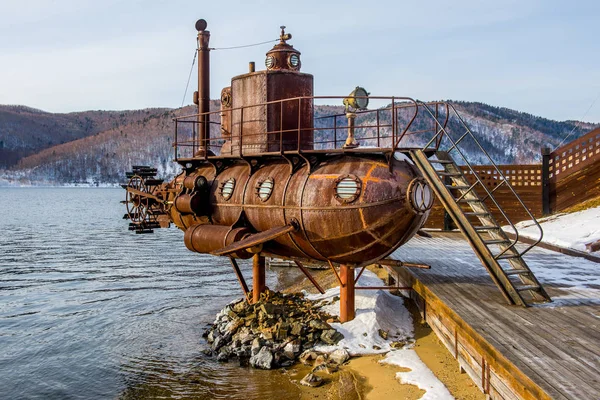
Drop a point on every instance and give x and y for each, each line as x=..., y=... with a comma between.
x=365, y=377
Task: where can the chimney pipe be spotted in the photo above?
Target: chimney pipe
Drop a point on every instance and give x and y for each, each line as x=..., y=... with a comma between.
x=251, y=66
x=203, y=85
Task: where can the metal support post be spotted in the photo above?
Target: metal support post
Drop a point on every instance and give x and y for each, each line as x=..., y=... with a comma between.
x=346, y=293
x=258, y=277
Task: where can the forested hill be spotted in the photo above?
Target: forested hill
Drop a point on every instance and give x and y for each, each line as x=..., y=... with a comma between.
x=100, y=146
x=25, y=131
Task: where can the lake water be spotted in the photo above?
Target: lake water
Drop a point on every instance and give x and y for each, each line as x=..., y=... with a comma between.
x=90, y=310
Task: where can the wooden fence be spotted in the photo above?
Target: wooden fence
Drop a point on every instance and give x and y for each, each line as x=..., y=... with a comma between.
x=572, y=176
x=574, y=172
x=526, y=180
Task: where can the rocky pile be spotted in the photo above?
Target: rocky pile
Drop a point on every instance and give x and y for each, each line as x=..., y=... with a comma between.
x=271, y=333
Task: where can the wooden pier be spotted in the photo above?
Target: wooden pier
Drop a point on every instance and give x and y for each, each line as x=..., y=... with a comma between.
x=549, y=351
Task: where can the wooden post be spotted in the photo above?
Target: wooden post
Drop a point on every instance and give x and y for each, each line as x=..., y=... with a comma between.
x=258, y=277
x=546, y=181
x=346, y=293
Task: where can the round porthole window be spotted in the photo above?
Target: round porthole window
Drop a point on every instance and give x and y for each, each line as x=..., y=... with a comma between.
x=227, y=188
x=264, y=189
x=270, y=62
x=420, y=195
x=294, y=61
x=347, y=188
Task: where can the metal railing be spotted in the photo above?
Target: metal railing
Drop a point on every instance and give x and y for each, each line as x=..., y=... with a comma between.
x=437, y=138
x=247, y=131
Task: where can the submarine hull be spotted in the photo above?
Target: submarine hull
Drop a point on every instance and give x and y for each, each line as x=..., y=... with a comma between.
x=347, y=209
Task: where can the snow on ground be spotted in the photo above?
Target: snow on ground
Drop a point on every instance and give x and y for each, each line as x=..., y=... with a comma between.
x=375, y=310
x=571, y=231
x=418, y=375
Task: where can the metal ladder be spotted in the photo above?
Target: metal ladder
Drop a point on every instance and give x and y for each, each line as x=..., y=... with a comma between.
x=498, y=254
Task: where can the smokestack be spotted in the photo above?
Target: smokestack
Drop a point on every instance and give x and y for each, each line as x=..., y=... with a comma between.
x=203, y=84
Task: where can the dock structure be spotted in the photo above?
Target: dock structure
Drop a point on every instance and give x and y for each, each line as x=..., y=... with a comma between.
x=546, y=351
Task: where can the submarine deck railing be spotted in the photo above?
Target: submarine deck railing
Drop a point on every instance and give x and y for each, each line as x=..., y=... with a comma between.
x=387, y=134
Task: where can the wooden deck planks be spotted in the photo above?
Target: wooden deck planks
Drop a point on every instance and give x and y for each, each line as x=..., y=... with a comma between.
x=557, y=346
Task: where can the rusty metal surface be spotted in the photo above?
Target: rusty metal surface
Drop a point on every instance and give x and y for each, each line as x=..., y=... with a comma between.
x=255, y=240
x=208, y=238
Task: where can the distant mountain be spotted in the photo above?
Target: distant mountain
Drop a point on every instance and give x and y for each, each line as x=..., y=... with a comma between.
x=25, y=131
x=100, y=146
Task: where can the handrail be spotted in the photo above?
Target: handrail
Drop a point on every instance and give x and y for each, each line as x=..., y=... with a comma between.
x=476, y=175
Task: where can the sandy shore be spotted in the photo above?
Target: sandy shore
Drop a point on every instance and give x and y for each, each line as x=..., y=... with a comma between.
x=366, y=378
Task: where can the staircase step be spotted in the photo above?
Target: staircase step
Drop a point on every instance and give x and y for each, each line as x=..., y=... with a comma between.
x=496, y=241
x=528, y=287
x=468, y=201
x=441, y=161
x=486, y=228
x=444, y=173
x=476, y=214
x=517, y=272
x=508, y=256
x=458, y=187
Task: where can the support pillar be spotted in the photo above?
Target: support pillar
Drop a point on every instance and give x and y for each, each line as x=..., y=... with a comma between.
x=546, y=151
x=346, y=293
x=258, y=276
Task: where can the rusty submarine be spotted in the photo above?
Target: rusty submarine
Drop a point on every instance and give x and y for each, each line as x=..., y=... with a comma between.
x=264, y=176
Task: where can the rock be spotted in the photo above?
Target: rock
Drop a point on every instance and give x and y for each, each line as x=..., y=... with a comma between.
x=383, y=334
x=263, y=359
x=233, y=326
x=327, y=368
x=346, y=387
x=339, y=356
x=311, y=380
x=318, y=324
x=398, y=344
x=296, y=329
x=257, y=344
x=281, y=360
x=239, y=306
x=267, y=309
x=210, y=337
x=219, y=342
x=271, y=332
x=308, y=356
x=223, y=357
x=291, y=349
x=320, y=360
x=331, y=336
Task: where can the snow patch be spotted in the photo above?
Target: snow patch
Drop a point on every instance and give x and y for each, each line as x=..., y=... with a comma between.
x=419, y=375
x=571, y=231
x=375, y=310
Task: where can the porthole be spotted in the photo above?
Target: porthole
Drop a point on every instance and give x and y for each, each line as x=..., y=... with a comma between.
x=270, y=62
x=294, y=61
x=347, y=188
x=265, y=188
x=227, y=188
x=420, y=195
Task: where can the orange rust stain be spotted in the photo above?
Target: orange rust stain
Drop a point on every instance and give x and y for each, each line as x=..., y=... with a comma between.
x=323, y=176
x=362, y=218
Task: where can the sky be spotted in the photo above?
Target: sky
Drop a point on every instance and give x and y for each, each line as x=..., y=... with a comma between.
x=539, y=57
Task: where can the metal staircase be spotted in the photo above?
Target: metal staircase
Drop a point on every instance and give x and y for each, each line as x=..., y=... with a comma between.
x=501, y=256
x=498, y=254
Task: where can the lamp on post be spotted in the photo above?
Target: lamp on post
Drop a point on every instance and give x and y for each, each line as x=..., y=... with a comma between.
x=358, y=99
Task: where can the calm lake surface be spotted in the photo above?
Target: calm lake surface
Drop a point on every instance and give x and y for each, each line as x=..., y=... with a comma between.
x=90, y=310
